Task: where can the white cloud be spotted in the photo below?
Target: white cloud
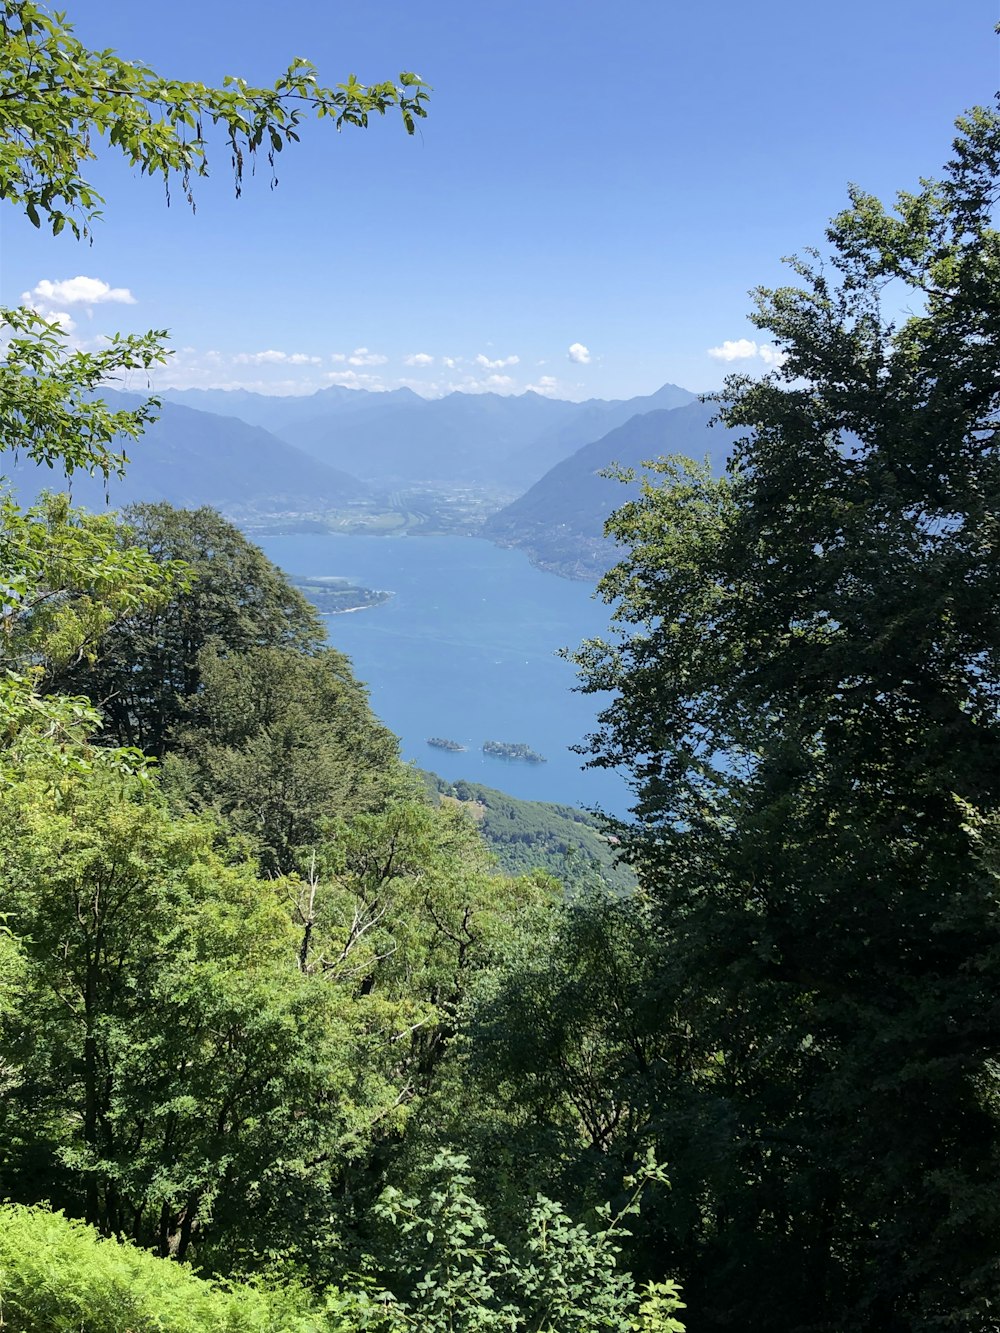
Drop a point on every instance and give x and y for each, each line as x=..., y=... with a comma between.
x=746, y=349
x=191, y=368
x=350, y=379
x=61, y=317
x=277, y=372
x=275, y=358
x=51, y=299
x=580, y=354
x=76, y=291
x=418, y=359
x=547, y=385
x=499, y=364
x=734, y=349
x=504, y=384
x=450, y=361
x=771, y=355
x=362, y=357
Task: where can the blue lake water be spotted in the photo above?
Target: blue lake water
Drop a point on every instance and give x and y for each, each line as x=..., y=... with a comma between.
x=466, y=649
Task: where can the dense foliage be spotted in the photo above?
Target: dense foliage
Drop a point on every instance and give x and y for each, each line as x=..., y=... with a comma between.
x=56, y=1275
x=146, y=667
x=563, y=840
x=269, y=1007
x=807, y=694
x=237, y=941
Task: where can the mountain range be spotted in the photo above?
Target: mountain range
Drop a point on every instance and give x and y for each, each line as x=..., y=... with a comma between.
x=193, y=458
x=254, y=456
x=399, y=439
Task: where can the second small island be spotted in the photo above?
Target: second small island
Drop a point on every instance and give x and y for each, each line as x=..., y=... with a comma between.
x=513, y=750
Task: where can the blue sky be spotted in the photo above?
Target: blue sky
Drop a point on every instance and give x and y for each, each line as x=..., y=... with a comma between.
x=606, y=178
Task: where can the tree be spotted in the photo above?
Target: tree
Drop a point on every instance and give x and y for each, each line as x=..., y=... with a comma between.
x=69, y=578
x=48, y=407
x=806, y=693
x=165, y=1055
x=56, y=96
x=454, y=1273
x=144, y=670
x=564, y=1046
x=65, y=579
x=280, y=743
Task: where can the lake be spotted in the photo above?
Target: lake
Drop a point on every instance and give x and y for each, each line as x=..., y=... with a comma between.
x=466, y=649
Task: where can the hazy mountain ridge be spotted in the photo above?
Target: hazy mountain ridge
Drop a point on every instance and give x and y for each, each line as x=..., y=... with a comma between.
x=193, y=458
x=397, y=438
x=559, y=521
x=465, y=438
x=281, y=414
x=594, y=418
x=500, y=444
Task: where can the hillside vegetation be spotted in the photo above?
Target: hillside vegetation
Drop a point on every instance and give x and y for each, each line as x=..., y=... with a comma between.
x=281, y=1048
x=566, y=842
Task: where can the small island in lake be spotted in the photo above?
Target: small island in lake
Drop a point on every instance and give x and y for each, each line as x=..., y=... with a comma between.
x=442, y=743
x=333, y=596
x=512, y=750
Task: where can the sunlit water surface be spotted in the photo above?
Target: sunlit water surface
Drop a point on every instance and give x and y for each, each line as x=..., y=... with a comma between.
x=467, y=649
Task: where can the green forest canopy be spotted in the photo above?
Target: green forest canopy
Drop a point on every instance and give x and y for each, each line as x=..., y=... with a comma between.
x=265, y=1007
x=225, y=990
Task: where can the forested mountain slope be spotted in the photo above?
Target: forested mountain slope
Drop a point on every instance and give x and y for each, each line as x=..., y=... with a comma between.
x=566, y=842
x=559, y=522
x=191, y=458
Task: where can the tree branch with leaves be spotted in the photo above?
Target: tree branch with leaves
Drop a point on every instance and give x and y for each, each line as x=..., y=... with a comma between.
x=57, y=98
